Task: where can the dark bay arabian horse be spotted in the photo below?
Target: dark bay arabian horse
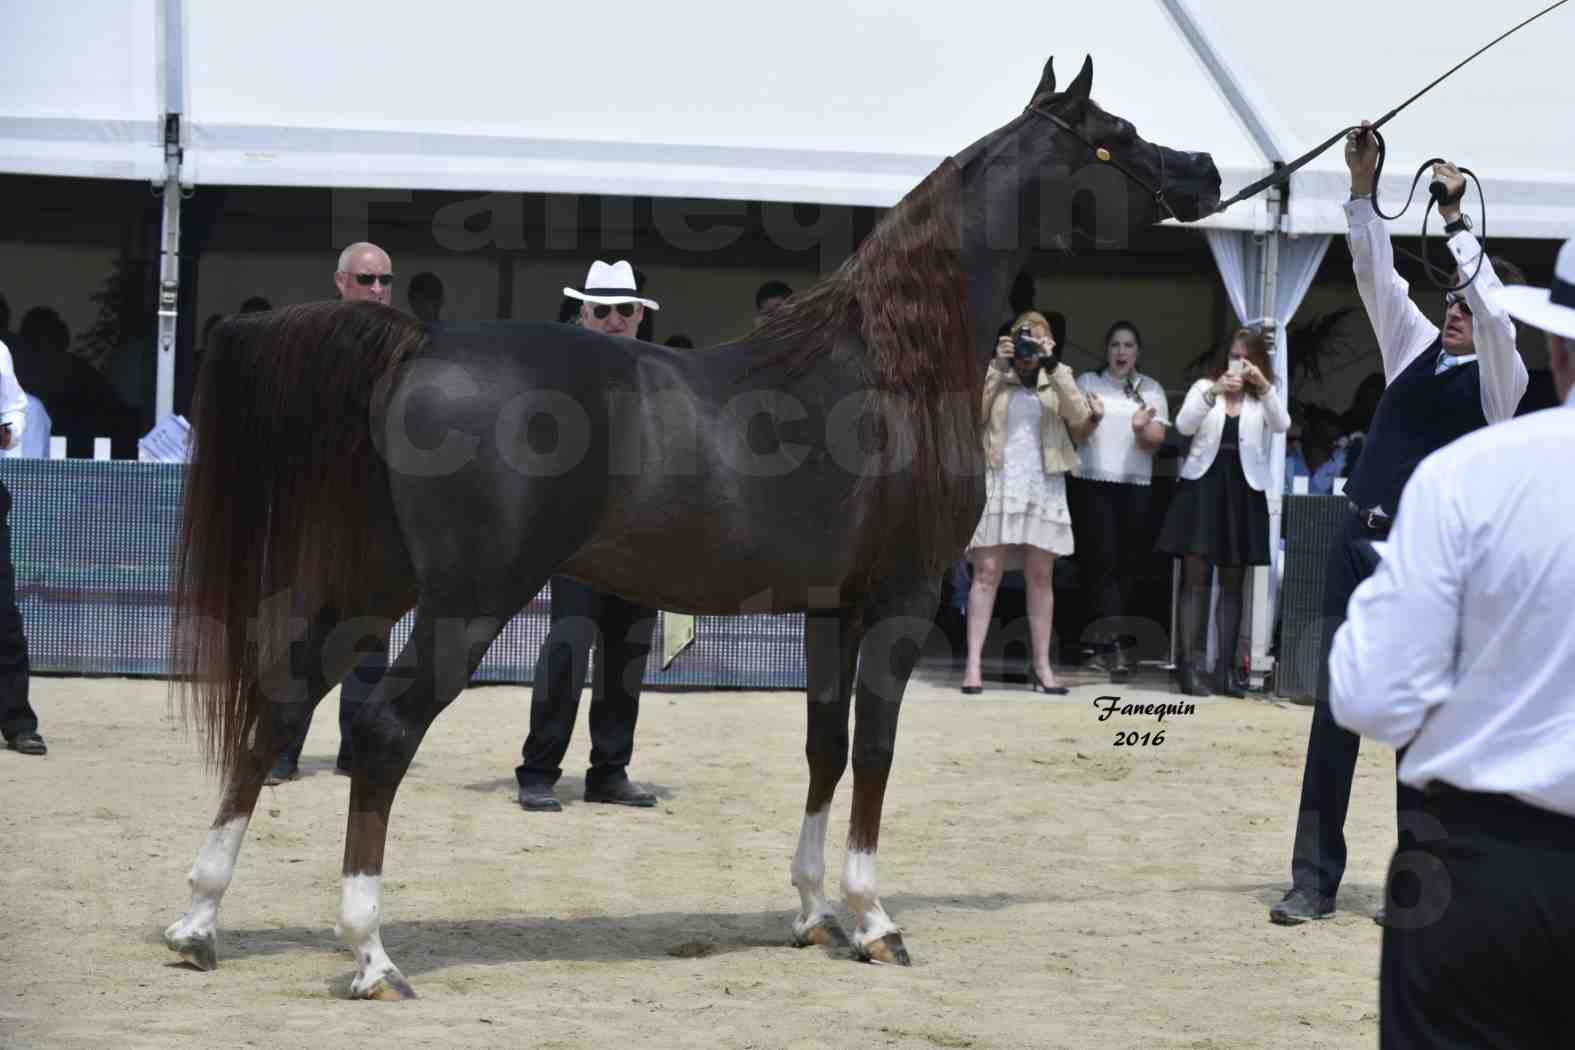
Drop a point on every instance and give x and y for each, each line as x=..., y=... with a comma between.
x=350, y=463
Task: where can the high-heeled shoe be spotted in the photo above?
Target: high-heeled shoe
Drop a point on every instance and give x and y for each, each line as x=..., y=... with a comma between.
x=1038, y=686
x=972, y=690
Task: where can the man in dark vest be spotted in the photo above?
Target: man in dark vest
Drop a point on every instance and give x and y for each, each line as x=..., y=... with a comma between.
x=1439, y=386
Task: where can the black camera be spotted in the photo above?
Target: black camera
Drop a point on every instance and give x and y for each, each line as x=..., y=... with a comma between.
x=1025, y=350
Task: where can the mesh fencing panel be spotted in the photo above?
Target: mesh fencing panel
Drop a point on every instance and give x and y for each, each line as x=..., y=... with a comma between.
x=93, y=543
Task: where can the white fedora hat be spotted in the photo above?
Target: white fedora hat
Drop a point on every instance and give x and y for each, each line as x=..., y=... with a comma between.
x=1550, y=309
x=611, y=285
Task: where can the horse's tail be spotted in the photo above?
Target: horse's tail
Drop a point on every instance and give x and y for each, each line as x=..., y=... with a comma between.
x=279, y=498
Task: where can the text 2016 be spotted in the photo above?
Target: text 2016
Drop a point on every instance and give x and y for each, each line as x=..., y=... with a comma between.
x=1136, y=739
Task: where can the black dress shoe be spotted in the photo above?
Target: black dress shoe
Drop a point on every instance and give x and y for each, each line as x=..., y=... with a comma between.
x=538, y=798
x=27, y=744
x=620, y=793
x=1225, y=683
x=1120, y=668
x=1299, y=906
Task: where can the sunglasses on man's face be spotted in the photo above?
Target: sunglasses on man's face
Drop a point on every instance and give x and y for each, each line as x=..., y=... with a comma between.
x=366, y=280
x=601, y=310
x=1456, y=299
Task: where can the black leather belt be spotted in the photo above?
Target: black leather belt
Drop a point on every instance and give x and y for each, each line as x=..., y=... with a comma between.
x=1372, y=520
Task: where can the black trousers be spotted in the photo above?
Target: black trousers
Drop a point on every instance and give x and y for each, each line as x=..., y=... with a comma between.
x=579, y=615
x=1113, y=545
x=1481, y=954
x=369, y=669
x=16, y=714
x=1318, y=860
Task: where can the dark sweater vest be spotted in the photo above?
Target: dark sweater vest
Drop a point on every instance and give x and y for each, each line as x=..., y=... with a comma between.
x=1419, y=414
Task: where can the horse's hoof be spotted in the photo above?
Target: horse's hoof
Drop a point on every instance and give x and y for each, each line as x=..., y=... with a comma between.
x=200, y=950
x=888, y=949
x=827, y=933
x=391, y=987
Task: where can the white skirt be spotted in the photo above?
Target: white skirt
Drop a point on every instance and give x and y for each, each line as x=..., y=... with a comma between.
x=1024, y=508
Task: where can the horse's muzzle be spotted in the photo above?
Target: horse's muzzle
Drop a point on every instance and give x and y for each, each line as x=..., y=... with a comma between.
x=1192, y=184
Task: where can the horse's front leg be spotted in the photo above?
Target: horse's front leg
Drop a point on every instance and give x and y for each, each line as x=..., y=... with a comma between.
x=434, y=667
x=830, y=653
x=888, y=656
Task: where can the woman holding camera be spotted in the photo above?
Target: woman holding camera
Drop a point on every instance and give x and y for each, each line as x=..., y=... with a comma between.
x=1220, y=515
x=1116, y=467
x=1030, y=400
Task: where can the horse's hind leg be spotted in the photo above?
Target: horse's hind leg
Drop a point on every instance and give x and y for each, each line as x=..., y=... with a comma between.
x=194, y=937
x=830, y=653
x=433, y=668
x=889, y=653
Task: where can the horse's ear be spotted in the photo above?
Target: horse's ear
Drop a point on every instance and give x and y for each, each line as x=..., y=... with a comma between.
x=1084, y=84
x=1047, y=81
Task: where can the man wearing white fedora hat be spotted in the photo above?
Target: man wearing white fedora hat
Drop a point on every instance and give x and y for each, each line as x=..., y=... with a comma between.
x=1460, y=650
x=610, y=303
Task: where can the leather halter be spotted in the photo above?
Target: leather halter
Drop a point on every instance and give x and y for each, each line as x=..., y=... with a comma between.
x=1104, y=156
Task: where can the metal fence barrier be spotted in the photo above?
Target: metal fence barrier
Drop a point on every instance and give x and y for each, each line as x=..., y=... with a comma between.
x=93, y=543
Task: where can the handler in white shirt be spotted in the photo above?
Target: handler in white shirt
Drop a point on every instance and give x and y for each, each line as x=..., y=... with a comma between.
x=1439, y=387
x=1460, y=649
x=18, y=723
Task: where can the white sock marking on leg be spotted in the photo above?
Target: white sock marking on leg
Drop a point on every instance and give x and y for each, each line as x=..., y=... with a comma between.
x=809, y=871
x=860, y=892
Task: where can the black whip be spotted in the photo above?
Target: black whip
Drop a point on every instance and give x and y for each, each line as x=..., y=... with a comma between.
x=1281, y=174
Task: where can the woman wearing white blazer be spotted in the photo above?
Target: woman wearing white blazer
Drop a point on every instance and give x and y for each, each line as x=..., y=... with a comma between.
x=1220, y=515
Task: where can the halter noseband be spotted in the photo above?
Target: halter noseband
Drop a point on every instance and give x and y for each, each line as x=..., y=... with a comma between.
x=1104, y=156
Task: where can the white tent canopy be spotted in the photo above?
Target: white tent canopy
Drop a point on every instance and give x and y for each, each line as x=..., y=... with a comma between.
x=80, y=89
x=845, y=102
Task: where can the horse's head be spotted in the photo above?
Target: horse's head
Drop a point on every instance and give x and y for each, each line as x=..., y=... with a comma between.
x=1161, y=182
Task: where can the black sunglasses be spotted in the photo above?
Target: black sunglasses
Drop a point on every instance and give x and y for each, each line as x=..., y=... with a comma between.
x=366, y=280
x=601, y=310
x=1456, y=299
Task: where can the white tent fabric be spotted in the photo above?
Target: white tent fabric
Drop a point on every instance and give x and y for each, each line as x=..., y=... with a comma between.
x=842, y=102
x=80, y=89
x=1506, y=115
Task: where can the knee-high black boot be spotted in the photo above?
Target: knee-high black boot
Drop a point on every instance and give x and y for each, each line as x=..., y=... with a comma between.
x=1192, y=624
x=1227, y=621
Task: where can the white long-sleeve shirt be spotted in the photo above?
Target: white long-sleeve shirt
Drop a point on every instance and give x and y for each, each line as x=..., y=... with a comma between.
x=1404, y=332
x=13, y=401
x=1462, y=644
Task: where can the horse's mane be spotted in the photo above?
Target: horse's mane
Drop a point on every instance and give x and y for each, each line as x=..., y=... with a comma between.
x=904, y=293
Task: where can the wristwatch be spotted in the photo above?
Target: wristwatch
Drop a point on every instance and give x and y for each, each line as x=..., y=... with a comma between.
x=1462, y=223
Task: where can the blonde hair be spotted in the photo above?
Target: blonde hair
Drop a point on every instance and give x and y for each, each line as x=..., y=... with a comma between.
x=1031, y=317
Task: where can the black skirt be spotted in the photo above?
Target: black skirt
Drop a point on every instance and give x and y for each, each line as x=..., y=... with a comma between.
x=1219, y=517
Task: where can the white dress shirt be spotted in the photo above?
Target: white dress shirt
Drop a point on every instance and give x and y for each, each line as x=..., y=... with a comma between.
x=1462, y=644
x=1261, y=419
x=1404, y=332
x=39, y=428
x=13, y=401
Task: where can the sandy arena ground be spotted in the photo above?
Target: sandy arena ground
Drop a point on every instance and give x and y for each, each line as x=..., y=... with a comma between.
x=1055, y=890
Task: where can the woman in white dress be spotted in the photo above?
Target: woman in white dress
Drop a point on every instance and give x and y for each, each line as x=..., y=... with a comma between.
x=1030, y=400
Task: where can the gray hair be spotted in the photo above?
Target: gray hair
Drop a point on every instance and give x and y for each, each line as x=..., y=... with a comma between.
x=350, y=251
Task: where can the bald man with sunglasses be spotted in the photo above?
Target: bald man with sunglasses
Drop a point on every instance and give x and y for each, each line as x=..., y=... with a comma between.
x=582, y=616
x=364, y=274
